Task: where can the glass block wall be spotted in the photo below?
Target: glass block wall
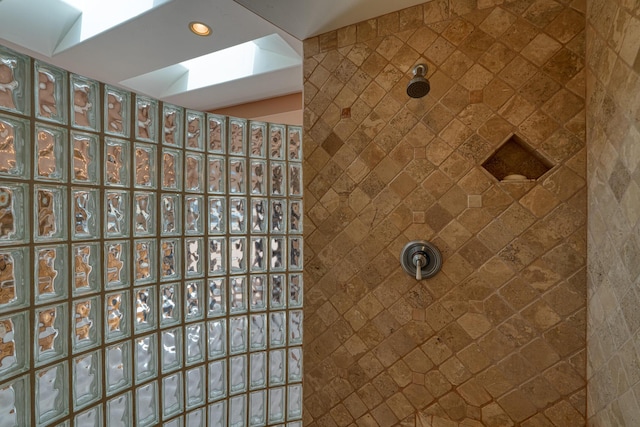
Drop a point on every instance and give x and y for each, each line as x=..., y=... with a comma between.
x=150, y=259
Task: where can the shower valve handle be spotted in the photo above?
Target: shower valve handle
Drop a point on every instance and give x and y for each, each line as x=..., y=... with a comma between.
x=419, y=260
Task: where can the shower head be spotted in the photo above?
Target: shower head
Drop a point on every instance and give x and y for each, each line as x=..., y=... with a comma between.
x=418, y=86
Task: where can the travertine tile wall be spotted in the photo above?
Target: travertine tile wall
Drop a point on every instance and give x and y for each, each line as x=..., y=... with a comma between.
x=613, y=129
x=498, y=337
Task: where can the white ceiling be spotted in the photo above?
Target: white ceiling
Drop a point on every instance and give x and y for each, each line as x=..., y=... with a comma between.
x=143, y=53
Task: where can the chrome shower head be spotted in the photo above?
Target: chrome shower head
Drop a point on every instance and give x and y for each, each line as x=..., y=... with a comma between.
x=419, y=86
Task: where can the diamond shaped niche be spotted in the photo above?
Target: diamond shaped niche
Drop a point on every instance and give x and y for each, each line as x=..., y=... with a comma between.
x=516, y=160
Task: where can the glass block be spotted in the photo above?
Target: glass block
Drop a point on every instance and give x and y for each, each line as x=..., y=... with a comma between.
x=295, y=290
x=237, y=176
x=217, y=380
x=295, y=216
x=85, y=203
x=295, y=327
x=295, y=179
x=258, y=408
x=258, y=140
x=145, y=357
x=51, y=393
x=196, y=418
x=176, y=422
x=194, y=137
x=258, y=372
x=15, y=73
x=278, y=253
x=145, y=214
x=172, y=125
x=277, y=298
x=86, y=267
x=117, y=315
x=194, y=386
x=218, y=414
x=50, y=333
x=118, y=367
x=116, y=111
x=237, y=411
x=170, y=313
x=172, y=391
x=13, y=213
x=170, y=204
x=146, y=308
x=86, y=329
x=216, y=135
x=92, y=417
x=15, y=140
x=145, y=166
x=217, y=301
x=147, y=119
x=259, y=208
x=195, y=343
x=87, y=384
x=295, y=253
x=278, y=216
x=278, y=179
x=276, y=148
x=85, y=110
x=14, y=345
x=193, y=215
x=50, y=161
x=258, y=290
x=14, y=278
x=238, y=374
x=258, y=252
x=217, y=217
x=50, y=215
x=50, y=92
x=258, y=179
x=171, y=351
x=217, y=338
x=258, y=332
x=294, y=402
x=217, y=256
x=237, y=295
x=50, y=271
x=277, y=329
x=147, y=404
x=119, y=411
x=15, y=407
x=237, y=136
x=238, y=263
x=295, y=364
x=169, y=263
x=295, y=424
x=116, y=223
x=193, y=248
x=237, y=215
x=194, y=172
x=216, y=171
x=171, y=169
x=116, y=162
x=276, y=404
x=66, y=423
x=295, y=143
x=84, y=155
x=194, y=292
x=145, y=261
x=117, y=263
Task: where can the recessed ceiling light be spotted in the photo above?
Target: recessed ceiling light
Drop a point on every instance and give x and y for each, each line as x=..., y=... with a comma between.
x=199, y=28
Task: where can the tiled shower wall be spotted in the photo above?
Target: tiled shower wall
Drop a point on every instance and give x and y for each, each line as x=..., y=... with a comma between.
x=150, y=259
x=613, y=129
x=497, y=338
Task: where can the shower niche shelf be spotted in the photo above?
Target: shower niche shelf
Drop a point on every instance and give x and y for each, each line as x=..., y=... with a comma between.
x=515, y=160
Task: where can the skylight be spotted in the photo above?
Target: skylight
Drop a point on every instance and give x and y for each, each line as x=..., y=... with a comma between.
x=100, y=16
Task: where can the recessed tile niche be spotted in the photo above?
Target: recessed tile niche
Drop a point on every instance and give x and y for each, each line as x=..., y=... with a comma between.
x=516, y=160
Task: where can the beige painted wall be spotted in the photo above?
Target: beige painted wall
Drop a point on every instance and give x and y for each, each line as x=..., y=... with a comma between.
x=285, y=109
x=498, y=337
x=613, y=132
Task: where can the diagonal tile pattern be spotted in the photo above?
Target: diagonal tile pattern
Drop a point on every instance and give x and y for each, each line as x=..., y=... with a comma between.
x=498, y=337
